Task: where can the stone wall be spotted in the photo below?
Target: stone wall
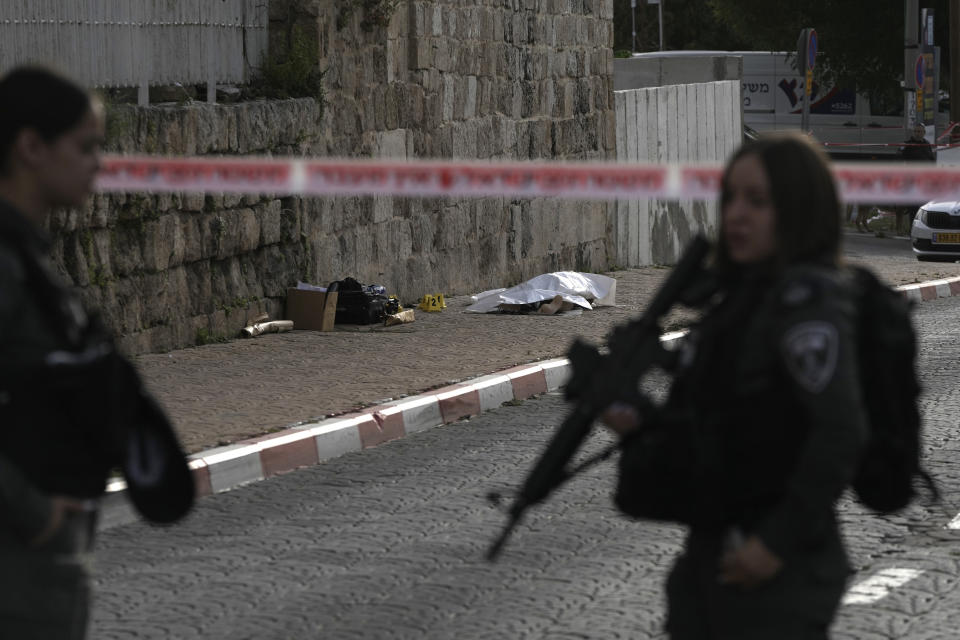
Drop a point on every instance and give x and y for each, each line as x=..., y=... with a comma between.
x=484, y=79
x=489, y=80
x=179, y=269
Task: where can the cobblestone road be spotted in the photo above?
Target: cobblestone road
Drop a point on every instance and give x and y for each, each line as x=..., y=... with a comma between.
x=389, y=543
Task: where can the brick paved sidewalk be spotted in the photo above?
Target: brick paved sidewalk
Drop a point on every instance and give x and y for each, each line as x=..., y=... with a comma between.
x=223, y=393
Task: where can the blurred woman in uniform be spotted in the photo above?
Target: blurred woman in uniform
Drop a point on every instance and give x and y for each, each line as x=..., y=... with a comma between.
x=769, y=378
x=71, y=408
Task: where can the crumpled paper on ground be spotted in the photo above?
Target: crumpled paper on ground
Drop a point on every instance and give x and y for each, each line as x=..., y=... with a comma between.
x=263, y=324
x=401, y=317
x=586, y=290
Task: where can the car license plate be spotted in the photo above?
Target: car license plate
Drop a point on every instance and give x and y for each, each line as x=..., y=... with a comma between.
x=946, y=238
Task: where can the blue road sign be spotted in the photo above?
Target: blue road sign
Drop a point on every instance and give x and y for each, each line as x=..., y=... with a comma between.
x=811, y=48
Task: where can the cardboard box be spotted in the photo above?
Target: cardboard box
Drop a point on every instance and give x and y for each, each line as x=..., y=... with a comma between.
x=311, y=310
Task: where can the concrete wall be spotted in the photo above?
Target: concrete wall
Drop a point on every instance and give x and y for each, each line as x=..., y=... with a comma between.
x=658, y=70
x=485, y=79
x=673, y=124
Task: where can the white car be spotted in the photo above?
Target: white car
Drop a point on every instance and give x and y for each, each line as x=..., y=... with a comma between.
x=935, y=234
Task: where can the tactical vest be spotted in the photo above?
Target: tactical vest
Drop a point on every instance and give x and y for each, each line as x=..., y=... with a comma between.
x=738, y=389
x=54, y=427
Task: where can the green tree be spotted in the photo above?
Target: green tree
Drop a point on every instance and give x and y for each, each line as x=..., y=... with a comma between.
x=860, y=41
x=687, y=25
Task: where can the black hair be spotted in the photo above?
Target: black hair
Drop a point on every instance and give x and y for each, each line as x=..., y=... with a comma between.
x=804, y=198
x=39, y=99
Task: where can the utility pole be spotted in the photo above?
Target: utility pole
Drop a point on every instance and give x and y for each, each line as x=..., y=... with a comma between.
x=954, y=25
x=659, y=4
x=806, y=59
x=911, y=49
x=660, y=15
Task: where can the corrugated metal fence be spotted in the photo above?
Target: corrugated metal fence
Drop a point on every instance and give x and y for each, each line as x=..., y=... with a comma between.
x=676, y=123
x=135, y=43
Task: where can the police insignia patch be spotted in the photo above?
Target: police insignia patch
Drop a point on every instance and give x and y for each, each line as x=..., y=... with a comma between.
x=810, y=350
x=797, y=294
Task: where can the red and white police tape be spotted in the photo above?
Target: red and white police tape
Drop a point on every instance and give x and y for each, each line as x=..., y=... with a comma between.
x=873, y=183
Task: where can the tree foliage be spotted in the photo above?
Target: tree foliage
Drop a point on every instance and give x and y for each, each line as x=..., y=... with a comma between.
x=860, y=41
x=687, y=24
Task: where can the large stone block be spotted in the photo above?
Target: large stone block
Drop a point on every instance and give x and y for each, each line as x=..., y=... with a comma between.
x=465, y=144
x=333, y=258
x=420, y=53
x=584, y=96
x=519, y=29
x=417, y=18
x=270, y=221
x=485, y=19
x=492, y=217
x=162, y=240
x=396, y=238
x=67, y=220
x=129, y=302
x=70, y=259
x=453, y=226
x=470, y=98
x=192, y=227
x=423, y=231
x=569, y=88
x=413, y=114
x=530, y=100
x=247, y=227
x=270, y=270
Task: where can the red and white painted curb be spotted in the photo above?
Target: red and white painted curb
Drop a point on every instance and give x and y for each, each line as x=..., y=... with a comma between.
x=931, y=290
x=303, y=445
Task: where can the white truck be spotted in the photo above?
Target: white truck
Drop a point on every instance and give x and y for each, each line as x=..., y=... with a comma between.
x=850, y=125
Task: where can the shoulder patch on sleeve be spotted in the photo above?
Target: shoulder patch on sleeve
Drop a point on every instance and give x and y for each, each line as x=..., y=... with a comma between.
x=797, y=293
x=806, y=285
x=810, y=351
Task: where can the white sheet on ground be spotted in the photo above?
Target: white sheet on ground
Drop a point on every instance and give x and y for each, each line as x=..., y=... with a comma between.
x=572, y=286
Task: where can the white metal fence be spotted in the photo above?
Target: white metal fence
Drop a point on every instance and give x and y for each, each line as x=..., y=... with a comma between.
x=680, y=123
x=136, y=43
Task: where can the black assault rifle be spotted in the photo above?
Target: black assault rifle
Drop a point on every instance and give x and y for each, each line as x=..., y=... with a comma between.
x=598, y=380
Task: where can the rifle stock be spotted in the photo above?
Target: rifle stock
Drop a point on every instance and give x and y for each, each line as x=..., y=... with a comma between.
x=598, y=380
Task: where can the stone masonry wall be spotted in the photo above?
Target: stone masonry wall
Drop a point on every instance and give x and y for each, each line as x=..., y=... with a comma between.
x=174, y=270
x=477, y=79
x=484, y=79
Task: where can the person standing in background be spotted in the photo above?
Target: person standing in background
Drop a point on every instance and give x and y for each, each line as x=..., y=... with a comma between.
x=914, y=149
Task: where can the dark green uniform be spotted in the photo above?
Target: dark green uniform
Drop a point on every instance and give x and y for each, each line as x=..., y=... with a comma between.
x=771, y=377
x=47, y=446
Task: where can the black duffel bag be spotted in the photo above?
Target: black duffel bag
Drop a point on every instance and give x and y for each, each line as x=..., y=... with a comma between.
x=358, y=303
